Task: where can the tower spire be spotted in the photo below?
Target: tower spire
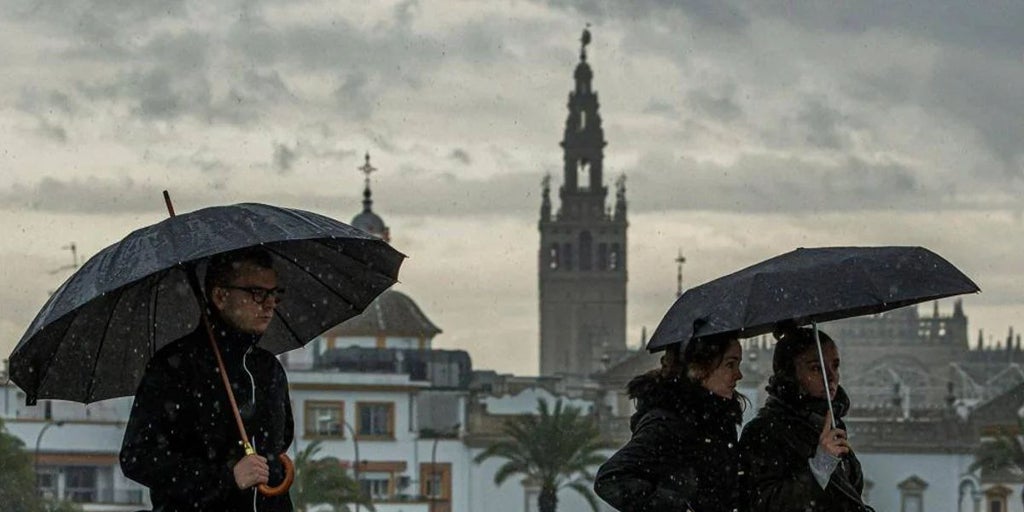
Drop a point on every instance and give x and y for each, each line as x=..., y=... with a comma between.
x=679, y=273
x=545, y=203
x=584, y=41
x=367, y=220
x=367, y=169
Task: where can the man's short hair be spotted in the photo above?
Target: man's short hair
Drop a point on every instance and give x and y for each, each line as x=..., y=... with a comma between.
x=224, y=268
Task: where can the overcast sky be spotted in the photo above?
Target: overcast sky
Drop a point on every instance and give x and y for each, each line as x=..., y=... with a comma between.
x=745, y=130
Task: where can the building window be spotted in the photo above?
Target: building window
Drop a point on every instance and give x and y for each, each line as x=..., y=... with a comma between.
x=324, y=419
x=46, y=482
x=376, y=485
x=376, y=419
x=613, y=258
x=996, y=498
x=586, y=251
x=912, y=494
x=80, y=484
x=553, y=257
x=602, y=256
x=567, y=256
x=436, y=481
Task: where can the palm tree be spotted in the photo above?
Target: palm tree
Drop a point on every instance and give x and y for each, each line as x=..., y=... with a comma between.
x=1005, y=450
x=324, y=481
x=555, y=448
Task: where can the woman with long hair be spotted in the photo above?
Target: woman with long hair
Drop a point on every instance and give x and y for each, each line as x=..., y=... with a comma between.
x=796, y=460
x=683, y=453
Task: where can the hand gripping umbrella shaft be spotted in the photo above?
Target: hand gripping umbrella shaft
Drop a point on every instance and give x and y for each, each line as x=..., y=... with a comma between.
x=289, y=467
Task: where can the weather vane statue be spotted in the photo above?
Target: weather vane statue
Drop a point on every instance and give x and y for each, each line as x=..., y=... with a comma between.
x=584, y=40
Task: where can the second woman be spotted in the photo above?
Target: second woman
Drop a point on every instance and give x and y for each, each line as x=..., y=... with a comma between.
x=683, y=452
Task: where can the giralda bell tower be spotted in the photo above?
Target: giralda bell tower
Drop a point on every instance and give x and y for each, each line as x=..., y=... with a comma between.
x=582, y=258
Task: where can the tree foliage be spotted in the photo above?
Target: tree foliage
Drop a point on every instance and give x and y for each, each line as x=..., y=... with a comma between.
x=17, y=477
x=555, y=448
x=324, y=481
x=1005, y=450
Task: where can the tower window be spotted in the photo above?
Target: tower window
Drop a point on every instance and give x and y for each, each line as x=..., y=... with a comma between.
x=583, y=174
x=583, y=120
x=586, y=251
x=613, y=258
x=553, y=257
x=602, y=256
x=567, y=256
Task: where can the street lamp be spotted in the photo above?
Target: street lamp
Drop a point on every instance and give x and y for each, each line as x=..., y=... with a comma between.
x=355, y=446
x=39, y=438
x=433, y=464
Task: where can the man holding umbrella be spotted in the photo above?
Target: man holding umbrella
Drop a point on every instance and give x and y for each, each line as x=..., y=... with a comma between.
x=180, y=440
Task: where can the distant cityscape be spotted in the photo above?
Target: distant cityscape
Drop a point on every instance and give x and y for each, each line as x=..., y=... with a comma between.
x=411, y=419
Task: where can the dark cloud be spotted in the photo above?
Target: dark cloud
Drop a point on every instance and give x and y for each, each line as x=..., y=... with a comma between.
x=284, y=157
x=822, y=125
x=719, y=104
x=52, y=131
x=460, y=155
x=661, y=108
x=780, y=185
x=987, y=97
x=36, y=100
x=718, y=14
x=993, y=27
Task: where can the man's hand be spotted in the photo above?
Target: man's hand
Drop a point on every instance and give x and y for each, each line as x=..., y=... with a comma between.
x=251, y=470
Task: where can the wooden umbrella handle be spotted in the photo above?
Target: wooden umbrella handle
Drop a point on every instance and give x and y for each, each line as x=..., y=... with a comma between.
x=289, y=467
x=289, y=476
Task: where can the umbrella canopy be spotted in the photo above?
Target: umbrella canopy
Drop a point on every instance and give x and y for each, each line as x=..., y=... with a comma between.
x=810, y=285
x=93, y=337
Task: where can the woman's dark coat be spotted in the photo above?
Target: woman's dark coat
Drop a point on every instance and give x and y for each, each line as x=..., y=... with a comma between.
x=683, y=451
x=777, y=445
x=182, y=440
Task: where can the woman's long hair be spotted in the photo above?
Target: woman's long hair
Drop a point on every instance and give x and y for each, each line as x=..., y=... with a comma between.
x=790, y=343
x=692, y=362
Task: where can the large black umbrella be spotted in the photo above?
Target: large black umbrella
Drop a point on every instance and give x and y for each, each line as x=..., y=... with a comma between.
x=809, y=286
x=93, y=337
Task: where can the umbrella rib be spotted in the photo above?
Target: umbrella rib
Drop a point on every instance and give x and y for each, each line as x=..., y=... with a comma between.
x=103, y=339
x=154, y=302
x=294, y=334
x=315, y=278
x=49, y=360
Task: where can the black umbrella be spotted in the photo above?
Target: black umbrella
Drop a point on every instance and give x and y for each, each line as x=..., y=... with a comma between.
x=93, y=337
x=809, y=286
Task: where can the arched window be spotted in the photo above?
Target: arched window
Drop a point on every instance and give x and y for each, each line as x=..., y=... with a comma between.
x=583, y=174
x=586, y=251
x=552, y=262
x=614, y=258
x=602, y=256
x=567, y=256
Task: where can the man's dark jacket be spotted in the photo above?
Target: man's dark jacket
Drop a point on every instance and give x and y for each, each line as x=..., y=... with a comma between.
x=777, y=445
x=683, y=451
x=182, y=440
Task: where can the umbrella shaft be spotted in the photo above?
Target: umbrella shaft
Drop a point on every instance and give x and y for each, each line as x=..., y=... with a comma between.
x=227, y=385
x=824, y=374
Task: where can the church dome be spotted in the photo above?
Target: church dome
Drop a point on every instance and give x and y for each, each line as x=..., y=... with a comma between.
x=371, y=223
x=391, y=314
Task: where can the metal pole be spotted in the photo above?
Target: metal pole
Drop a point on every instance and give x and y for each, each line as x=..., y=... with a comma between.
x=39, y=439
x=824, y=373
x=355, y=470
